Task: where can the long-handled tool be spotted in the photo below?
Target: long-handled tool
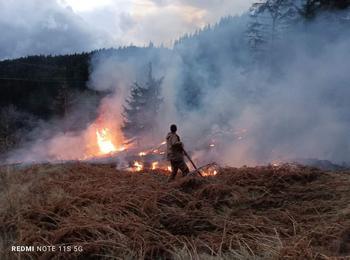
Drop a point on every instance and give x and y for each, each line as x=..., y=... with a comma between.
x=194, y=166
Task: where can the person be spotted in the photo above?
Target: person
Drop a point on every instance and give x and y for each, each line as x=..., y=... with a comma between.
x=175, y=153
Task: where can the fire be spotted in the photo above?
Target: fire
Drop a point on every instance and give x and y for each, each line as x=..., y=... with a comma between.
x=138, y=166
x=104, y=141
x=209, y=173
x=142, y=154
x=155, y=165
x=210, y=170
x=104, y=136
x=275, y=164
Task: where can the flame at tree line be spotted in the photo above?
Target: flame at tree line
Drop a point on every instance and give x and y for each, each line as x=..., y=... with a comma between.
x=104, y=138
x=101, y=141
x=105, y=142
x=110, y=142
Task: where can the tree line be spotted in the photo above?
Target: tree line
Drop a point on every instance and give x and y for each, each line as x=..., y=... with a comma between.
x=44, y=87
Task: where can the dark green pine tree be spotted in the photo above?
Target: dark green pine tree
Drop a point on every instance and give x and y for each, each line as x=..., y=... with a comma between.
x=63, y=101
x=142, y=108
x=270, y=20
x=312, y=7
x=257, y=38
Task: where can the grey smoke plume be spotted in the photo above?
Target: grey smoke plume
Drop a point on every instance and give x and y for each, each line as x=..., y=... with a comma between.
x=297, y=109
x=293, y=105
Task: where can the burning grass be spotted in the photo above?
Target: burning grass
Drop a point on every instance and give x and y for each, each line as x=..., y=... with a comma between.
x=248, y=213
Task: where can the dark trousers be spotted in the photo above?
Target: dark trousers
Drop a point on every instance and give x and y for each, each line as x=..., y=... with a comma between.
x=176, y=165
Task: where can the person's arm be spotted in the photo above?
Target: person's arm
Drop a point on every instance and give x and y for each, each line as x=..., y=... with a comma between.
x=170, y=140
x=174, y=139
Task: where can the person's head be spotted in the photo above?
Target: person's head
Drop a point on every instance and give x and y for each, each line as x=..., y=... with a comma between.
x=173, y=128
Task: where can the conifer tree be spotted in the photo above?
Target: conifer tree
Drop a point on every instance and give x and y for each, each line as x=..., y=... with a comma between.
x=270, y=19
x=257, y=37
x=142, y=107
x=13, y=126
x=63, y=100
x=312, y=7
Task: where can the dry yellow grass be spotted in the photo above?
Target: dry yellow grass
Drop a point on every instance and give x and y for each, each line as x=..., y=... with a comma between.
x=287, y=212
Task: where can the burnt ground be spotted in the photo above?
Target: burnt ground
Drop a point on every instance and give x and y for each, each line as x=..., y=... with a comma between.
x=286, y=212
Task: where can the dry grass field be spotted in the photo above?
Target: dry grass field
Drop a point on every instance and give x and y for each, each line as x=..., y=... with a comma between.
x=285, y=212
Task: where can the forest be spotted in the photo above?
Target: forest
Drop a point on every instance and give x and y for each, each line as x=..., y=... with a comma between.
x=261, y=103
x=39, y=89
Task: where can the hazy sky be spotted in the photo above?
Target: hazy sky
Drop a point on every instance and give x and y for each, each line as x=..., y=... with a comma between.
x=61, y=26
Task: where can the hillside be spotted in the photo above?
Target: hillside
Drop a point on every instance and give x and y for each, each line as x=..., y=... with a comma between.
x=267, y=212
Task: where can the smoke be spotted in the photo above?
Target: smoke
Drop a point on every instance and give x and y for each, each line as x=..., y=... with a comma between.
x=295, y=107
x=234, y=111
x=59, y=138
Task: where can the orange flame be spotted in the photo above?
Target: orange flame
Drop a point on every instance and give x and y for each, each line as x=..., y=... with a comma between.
x=138, y=166
x=142, y=154
x=209, y=173
x=104, y=141
x=155, y=165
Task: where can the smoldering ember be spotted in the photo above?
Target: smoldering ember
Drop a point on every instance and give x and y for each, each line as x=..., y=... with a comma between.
x=151, y=129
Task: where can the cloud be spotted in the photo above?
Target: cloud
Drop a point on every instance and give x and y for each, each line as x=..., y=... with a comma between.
x=42, y=27
x=214, y=9
x=160, y=21
x=64, y=26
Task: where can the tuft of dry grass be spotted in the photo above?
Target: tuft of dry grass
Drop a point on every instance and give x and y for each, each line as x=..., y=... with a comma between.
x=286, y=212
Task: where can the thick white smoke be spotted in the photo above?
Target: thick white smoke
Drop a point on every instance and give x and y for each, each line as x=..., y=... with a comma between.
x=294, y=107
x=255, y=116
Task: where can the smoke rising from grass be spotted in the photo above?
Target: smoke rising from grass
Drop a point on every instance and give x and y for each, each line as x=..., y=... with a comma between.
x=294, y=107
x=293, y=104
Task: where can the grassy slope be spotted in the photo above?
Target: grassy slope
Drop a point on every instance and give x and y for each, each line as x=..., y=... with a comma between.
x=242, y=213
